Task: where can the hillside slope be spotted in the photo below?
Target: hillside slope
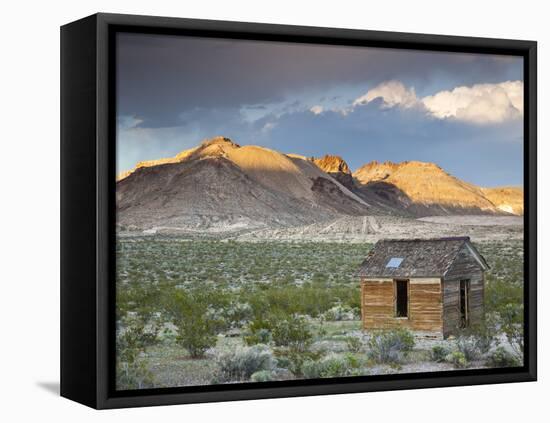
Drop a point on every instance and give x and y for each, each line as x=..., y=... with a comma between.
x=336, y=167
x=422, y=189
x=507, y=199
x=221, y=186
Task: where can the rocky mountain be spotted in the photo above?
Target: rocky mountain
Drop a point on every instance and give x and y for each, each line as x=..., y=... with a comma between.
x=221, y=186
x=374, y=171
x=507, y=199
x=424, y=189
x=336, y=167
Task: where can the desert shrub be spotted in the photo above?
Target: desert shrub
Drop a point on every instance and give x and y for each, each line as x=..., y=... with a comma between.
x=133, y=336
x=439, y=353
x=511, y=321
x=469, y=346
x=500, y=357
x=235, y=314
x=504, y=301
x=312, y=299
x=331, y=366
x=283, y=331
x=284, y=360
x=501, y=292
x=294, y=361
x=293, y=332
x=138, y=325
x=484, y=335
x=457, y=359
x=241, y=363
x=133, y=375
x=135, y=333
x=485, y=338
x=259, y=336
x=263, y=376
x=354, y=343
x=140, y=300
x=390, y=346
x=340, y=312
x=322, y=330
x=197, y=326
x=477, y=340
x=258, y=331
x=288, y=300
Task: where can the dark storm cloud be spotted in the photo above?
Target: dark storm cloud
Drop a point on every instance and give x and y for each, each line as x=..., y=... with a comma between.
x=173, y=92
x=163, y=77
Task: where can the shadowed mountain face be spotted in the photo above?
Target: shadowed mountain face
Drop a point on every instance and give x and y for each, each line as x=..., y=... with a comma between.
x=424, y=189
x=336, y=167
x=220, y=186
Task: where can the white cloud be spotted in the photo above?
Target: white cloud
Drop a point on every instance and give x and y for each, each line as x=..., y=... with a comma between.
x=269, y=126
x=514, y=89
x=128, y=122
x=392, y=93
x=480, y=103
x=316, y=110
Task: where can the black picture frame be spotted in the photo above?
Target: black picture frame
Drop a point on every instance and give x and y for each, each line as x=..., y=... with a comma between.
x=87, y=209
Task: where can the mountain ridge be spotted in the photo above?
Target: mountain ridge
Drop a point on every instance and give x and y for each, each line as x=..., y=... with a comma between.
x=220, y=185
x=424, y=188
x=336, y=167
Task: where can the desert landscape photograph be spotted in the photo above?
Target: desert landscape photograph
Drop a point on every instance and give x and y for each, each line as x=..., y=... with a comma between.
x=290, y=211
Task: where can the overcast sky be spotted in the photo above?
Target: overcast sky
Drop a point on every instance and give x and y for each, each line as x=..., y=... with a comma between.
x=461, y=111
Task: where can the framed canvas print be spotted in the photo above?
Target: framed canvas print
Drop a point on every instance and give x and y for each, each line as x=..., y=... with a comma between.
x=255, y=211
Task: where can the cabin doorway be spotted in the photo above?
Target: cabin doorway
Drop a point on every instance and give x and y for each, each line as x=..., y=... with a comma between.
x=464, y=303
x=402, y=298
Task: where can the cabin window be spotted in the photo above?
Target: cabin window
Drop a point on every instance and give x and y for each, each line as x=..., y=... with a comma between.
x=401, y=298
x=464, y=303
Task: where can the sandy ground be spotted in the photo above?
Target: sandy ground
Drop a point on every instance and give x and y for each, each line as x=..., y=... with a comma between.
x=360, y=229
x=373, y=228
x=475, y=220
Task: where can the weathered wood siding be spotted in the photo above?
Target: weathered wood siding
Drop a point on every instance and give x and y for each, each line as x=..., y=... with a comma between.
x=464, y=267
x=425, y=305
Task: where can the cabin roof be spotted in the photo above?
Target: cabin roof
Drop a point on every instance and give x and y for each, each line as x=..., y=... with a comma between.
x=416, y=257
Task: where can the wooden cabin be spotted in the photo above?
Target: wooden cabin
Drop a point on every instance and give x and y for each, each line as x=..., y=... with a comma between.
x=434, y=286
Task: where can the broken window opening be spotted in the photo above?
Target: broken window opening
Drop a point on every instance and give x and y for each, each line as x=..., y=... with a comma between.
x=401, y=298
